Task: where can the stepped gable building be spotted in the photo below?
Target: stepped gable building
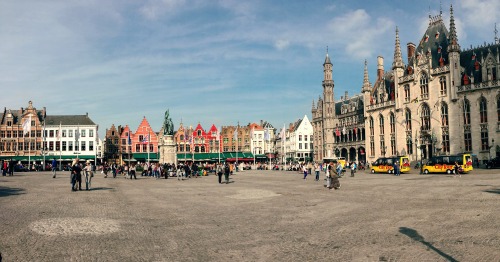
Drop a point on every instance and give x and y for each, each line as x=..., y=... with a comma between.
x=442, y=94
x=338, y=125
x=112, y=149
x=16, y=145
x=145, y=143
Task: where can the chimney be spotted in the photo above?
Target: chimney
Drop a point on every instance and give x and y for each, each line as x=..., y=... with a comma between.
x=380, y=67
x=411, y=50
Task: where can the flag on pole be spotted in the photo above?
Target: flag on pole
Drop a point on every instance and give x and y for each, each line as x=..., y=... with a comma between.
x=129, y=141
x=59, y=133
x=337, y=132
x=283, y=133
x=251, y=132
x=343, y=131
x=145, y=139
x=266, y=134
x=236, y=134
x=77, y=133
x=27, y=125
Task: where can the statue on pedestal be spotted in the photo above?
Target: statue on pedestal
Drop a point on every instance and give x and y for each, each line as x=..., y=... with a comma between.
x=168, y=126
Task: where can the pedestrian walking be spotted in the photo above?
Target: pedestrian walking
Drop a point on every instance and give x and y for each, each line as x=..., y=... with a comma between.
x=316, y=170
x=54, y=167
x=334, y=176
x=397, y=170
x=227, y=170
x=456, y=171
x=75, y=173
x=132, y=171
x=353, y=169
x=88, y=174
x=304, y=169
x=220, y=171
x=5, y=167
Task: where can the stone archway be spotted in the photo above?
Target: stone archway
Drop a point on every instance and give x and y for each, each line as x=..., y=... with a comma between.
x=361, y=154
x=352, y=154
x=344, y=153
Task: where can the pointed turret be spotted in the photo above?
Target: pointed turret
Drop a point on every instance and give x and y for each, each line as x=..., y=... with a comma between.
x=454, y=46
x=398, y=58
x=366, y=81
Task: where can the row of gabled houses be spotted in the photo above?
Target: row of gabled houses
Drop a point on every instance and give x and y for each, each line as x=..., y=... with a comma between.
x=28, y=134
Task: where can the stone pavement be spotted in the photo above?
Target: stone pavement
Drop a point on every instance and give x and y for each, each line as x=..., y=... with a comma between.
x=260, y=216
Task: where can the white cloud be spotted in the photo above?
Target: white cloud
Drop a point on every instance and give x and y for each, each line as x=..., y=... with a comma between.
x=480, y=14
x=360, y=34
x=281, y=44
x=153, y=9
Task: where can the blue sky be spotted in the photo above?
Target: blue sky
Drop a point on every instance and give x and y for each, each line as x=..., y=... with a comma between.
x=210, y=62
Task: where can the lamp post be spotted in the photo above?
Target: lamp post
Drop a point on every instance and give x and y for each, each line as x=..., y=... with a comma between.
x=489, y=148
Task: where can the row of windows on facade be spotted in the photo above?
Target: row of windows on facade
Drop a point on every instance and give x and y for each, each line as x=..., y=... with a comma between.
x=50, y=146
x=139, y=148
x=426, y=126
x=46, y=133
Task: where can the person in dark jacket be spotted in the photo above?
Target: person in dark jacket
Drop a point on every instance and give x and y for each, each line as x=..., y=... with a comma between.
x=227, y=170
x=76, y=175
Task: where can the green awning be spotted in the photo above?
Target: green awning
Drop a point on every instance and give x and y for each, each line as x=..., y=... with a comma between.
x=144, y=156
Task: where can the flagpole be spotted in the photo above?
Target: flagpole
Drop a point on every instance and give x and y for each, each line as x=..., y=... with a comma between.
x=60, y=148
x=43, y=148
x=236, y=163
x=284, y=142
x=219, y=135
x=149, y=138
x=29, y=148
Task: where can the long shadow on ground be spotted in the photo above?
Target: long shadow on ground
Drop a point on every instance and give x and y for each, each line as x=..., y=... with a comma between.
x=413, y=234
x=10, y=191
x=493, y=191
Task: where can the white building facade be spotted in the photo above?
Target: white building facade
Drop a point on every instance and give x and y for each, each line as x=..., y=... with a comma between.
x=66, y=137
x=299, y=141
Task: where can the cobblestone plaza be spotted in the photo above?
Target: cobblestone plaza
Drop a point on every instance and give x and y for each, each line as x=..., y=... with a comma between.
x=259, y=216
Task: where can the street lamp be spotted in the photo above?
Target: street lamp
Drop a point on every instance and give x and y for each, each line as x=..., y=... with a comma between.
x=489, y=148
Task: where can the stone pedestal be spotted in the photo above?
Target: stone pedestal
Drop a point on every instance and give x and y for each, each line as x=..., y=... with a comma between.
x=168, y=152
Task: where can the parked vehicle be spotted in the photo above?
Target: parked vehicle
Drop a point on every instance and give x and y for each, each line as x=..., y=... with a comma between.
x=445, y=164
x=493, y=163
x=386, y=164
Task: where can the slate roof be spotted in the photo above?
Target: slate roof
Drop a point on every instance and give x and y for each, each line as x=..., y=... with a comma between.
x=467, y=59
x=357, y=98
x=68, y=120
x=433, y=43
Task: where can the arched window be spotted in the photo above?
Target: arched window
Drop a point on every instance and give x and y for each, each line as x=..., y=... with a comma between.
x=392, y=120
x=408, y=119
x=181, y=137
x=466, y=112
x=444, y=114
x=407, y=93
x=381, y=124
x=199, y=132
x=498, y=108
x=372, y=131
x=467, y=132
x=425, y=118
x=442, y=82
x=483, y=112
x=424, y=86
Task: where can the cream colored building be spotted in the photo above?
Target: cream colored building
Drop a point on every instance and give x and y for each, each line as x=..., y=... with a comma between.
x=443, y=100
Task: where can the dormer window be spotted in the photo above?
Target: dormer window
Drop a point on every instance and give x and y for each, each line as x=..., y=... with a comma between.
x=476, y=65
x=437, y=35
x=426, y=38
x=465, y=79
x=439, y=49
x=441, y=61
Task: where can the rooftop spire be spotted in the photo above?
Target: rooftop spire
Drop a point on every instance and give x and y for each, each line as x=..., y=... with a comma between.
x=454, y=46
x=496, y=34
x=327, y=59
x=366, y=81
x=398, y=58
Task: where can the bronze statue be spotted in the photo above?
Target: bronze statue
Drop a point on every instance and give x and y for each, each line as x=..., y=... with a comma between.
x=168, y=126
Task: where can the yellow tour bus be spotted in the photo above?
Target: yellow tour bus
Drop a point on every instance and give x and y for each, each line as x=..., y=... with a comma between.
x=333, y=159
x=386, y=164
x=446, y=164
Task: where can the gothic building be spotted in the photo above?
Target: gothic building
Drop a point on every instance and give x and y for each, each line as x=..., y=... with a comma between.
x=338, y=125
x=444, y=100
